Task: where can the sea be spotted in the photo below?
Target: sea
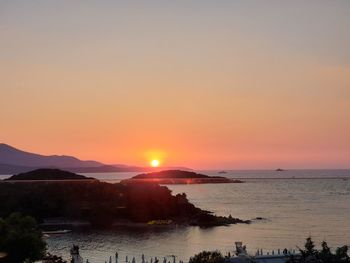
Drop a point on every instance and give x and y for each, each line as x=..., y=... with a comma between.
x=293, y=205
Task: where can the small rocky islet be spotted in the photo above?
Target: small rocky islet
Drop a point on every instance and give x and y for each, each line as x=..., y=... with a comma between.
x=179, y=177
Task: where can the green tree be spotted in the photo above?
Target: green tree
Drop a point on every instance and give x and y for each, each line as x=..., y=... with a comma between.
x=325, y=255
x=309, y=248
x=341, y=254
x=207, y=257
x=21, y=239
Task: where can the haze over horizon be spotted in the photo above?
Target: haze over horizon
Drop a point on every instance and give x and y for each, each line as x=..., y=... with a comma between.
x=201, y=85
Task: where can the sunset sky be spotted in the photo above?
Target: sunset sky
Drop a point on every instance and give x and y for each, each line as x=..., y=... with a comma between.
x=202, y=84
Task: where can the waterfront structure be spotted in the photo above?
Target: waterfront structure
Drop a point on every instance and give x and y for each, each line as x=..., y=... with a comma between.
x=242, y=256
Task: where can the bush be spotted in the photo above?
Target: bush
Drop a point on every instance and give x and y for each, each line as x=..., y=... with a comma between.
x=310, y=254
x=207, y=257
x=21, y=239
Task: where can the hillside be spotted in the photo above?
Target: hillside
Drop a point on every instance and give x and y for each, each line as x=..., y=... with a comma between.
x=13, y=169
x=13, y=161
x=13, y=156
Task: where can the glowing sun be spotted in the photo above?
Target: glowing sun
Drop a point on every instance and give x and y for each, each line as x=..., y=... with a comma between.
x=155, y=163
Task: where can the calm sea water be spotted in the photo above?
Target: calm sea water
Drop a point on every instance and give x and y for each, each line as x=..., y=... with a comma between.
x=294, y=208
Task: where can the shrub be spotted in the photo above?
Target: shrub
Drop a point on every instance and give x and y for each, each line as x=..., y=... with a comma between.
x=207, y=257
x=21, y=239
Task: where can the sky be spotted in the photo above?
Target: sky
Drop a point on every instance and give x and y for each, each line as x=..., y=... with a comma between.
x=202, y=84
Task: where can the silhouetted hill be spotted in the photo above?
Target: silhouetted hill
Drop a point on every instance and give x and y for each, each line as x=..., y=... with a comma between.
x=106, y=169
x=48, y=174
x=13, y=169
x=13, y=156
x=14, y=161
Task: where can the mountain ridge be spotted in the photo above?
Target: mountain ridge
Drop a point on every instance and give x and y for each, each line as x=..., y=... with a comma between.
x=13, y=156
x=14, y=160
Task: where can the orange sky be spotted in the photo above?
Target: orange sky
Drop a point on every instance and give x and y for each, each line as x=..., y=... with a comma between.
x=226, y=85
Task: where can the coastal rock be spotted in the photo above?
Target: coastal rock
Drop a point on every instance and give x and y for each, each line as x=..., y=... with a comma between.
x=209, y=220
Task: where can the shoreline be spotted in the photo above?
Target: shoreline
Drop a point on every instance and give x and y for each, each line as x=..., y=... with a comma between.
x=82, y=224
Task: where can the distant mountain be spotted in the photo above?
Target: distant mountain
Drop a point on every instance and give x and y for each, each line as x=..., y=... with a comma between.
x=13, y=161
x=8, y=169
x=13, y=169
x=106, y=169
x=13, y=156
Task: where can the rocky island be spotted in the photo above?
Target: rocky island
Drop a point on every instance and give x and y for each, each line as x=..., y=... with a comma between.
x=178, y=177
x=100, y=203
x=47, y=174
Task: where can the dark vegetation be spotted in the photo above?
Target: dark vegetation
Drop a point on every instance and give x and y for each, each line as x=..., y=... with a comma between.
x=308, y=254
x=325, y=255
x=208, y=257
x=20, y=239
x=101, y=204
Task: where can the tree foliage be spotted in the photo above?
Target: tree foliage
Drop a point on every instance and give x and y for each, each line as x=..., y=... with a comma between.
x=207, y=257
x=97, y=202
x=21, y=239
x=311, y=255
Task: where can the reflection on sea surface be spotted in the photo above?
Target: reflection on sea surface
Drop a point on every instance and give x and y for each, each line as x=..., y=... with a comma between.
x=293, y=210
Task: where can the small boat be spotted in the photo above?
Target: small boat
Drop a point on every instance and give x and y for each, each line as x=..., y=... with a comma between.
x=279, y=170
x=222, y=172
x=57, y=232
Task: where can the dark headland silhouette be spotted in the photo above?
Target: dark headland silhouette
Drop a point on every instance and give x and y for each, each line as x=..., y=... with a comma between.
x=98, y=203
x=14, y=156
x=13, y=161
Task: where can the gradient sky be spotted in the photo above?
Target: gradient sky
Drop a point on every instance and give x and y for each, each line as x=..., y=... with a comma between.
x=203, y=84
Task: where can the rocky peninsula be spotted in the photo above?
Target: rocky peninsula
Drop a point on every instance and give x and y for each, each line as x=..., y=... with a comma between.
x=99, y=203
